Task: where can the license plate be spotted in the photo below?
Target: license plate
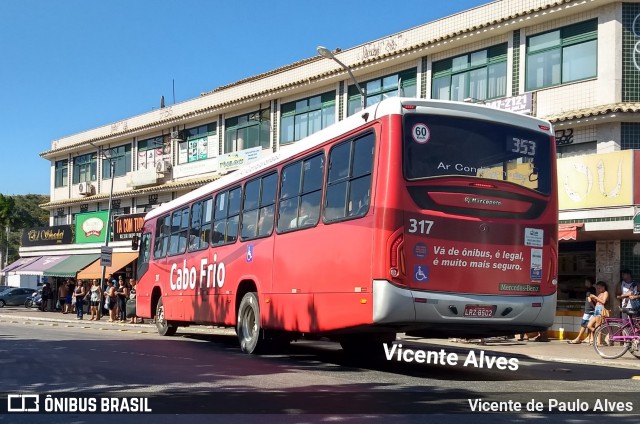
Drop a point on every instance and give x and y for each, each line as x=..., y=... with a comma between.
x=479, y=311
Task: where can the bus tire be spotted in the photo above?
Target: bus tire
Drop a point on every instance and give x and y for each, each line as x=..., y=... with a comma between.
x=248, y=324
x=165, y=328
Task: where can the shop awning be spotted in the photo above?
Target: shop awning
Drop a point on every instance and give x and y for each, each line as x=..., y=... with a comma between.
x=40, y=265
x=70, y=266
x=20, y=263
x=568, y=231
x=118, y=261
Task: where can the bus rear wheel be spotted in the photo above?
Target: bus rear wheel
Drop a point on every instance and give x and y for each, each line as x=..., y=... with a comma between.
x=165, y=328
x=248, y=324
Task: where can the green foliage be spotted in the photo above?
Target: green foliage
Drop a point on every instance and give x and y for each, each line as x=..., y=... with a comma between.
x=18, y=213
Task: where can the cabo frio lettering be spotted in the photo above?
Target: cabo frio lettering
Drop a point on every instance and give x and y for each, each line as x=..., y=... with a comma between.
x=209, y=274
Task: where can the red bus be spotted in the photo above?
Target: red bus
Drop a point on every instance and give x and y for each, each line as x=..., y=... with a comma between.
x=432, y=218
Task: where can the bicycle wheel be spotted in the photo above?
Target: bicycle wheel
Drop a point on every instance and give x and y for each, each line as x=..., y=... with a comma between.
x=603, y=343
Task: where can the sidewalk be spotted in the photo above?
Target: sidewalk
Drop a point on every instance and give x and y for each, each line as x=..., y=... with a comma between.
x=554, y=350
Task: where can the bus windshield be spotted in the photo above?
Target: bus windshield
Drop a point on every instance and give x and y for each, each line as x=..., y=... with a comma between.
x=436, y=146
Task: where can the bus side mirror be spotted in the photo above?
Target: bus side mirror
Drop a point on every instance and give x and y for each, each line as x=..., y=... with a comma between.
x=134, y=242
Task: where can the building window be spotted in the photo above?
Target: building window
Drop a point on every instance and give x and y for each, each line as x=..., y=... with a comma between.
x=60, y=220
x=630, y=135
x=307, y=116
x=479, y=75
x=381, y=88
x=152, y=151
x=196, y=145
x=247, y=131
x=85, y=168
x=121, y=157
x=563, y=55
x=62, y=173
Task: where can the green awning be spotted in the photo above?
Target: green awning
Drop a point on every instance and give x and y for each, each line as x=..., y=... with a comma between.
x=70, y=266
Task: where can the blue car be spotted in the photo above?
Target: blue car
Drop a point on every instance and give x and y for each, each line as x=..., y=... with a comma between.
x=15, y=296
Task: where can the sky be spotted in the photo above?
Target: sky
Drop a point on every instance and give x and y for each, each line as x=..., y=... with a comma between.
x=67, y=66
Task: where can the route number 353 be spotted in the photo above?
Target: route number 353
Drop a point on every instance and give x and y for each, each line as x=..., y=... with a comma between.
x=420, y=226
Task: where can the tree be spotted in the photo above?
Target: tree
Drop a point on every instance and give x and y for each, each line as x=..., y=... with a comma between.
x=7, y=218
x=18, y=213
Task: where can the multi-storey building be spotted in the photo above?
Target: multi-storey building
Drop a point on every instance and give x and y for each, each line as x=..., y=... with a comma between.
x=573, y=62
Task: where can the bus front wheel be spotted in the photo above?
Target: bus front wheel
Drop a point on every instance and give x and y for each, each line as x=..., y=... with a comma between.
x=248, y=323
x=165, y=328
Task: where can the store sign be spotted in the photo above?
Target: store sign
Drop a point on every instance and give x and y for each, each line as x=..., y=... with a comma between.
x=127, y=226
x=195, y=168
x=91, y=227
x=636, y=223
x=594, y=181
x=45, y=236
x=142, y=177
x=236, y=160
x=519, y=104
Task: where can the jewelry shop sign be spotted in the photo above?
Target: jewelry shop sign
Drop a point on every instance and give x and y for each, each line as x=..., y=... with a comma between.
x=45, y=236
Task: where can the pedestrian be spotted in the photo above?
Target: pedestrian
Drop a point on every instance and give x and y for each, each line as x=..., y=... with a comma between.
x=78, y=299
x=131, y=303
x=110, y=300
x=625, y=288
x=122, y=294
x=589, y=306
x=600, y=298
x=63, y=292
x=95, y=294
x=46, y=295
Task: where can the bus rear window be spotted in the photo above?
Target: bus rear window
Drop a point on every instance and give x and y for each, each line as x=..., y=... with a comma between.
x=438, y=146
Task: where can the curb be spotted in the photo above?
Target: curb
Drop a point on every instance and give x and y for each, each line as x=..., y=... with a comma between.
x=16, y=319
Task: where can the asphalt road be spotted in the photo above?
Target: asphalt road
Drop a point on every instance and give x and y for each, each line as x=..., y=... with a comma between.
x=199, y=372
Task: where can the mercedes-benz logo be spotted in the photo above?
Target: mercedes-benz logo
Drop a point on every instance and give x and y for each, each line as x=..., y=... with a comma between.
x=484, y=227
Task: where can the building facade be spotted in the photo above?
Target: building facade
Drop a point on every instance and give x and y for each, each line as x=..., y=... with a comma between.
x=573, y=62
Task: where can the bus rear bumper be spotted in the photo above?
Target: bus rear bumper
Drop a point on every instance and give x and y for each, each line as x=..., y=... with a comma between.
x=411, y=310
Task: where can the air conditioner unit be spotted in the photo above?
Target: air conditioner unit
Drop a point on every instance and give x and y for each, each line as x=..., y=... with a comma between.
x=85, y=189
x=162, y=167
x=176, y=135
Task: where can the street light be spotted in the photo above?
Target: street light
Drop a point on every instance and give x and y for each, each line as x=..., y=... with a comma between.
x=325, y=52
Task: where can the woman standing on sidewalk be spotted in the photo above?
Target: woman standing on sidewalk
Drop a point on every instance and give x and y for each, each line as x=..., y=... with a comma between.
x=122, y=293
x=95, y=295
x=78, y=299
x=600, y=310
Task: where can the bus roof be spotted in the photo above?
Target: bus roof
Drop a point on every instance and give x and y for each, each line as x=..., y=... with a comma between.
x=391, y=106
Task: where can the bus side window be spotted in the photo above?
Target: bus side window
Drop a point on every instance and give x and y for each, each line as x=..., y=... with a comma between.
x=299, y=206
x=225, y=215
x=194, y=228
x=179, y=229
x=348, y=196
x=207, y=215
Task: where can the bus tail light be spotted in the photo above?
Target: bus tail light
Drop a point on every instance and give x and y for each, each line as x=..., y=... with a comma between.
x=536, y=305
x=397, y=257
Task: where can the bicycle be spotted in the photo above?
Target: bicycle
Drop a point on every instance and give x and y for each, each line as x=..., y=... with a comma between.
x=615, y=336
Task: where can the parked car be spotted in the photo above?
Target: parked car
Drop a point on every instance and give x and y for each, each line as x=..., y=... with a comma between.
x=3, y=288
x=15, y=296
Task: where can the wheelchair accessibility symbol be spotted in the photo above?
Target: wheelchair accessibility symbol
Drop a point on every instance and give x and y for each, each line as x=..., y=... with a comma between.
x=421, y=273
